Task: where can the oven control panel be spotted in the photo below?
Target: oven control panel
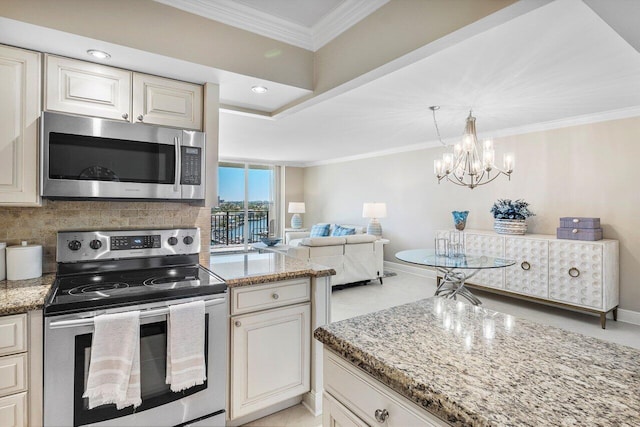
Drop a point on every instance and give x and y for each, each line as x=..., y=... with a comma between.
x=120, y=243
x=75, y=246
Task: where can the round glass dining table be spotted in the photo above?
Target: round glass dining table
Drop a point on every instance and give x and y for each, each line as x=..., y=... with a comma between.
x=455, y=270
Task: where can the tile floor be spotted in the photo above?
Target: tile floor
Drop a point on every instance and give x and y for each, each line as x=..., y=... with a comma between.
x=405, y=287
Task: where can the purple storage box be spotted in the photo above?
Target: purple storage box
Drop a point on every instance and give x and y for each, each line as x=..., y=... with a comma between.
x=590, y=234
x=579, y=222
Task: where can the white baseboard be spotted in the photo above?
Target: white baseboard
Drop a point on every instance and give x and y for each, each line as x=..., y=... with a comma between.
x=313, y=402
x=627, y=316
x=411, y=269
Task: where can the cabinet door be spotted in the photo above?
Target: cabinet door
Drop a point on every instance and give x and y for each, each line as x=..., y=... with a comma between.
x=270, y=358
x=89, y=89
x=13, y=410
x=167, y=102
x=19, y=112
x=530, y=275
x=575, y=273
x=334, y=414
x=487, y=245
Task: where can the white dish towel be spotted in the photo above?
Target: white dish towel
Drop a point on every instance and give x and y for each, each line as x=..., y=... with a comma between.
x=185, y=346
x=114, y=368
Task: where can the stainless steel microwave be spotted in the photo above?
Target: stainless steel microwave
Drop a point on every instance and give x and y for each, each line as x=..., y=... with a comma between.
x=91, y=158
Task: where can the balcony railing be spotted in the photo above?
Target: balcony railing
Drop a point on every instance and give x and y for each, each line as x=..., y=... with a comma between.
x=227, y=227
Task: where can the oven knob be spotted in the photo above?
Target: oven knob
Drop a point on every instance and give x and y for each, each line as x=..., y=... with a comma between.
x=188, y=240
x=173, y=241
x=95, y=244
x=74, y=245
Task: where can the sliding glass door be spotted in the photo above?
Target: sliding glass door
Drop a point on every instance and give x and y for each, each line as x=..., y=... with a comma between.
x=247, y=206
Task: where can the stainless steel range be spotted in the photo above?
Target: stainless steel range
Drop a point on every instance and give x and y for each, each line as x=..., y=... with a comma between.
x=102, y=272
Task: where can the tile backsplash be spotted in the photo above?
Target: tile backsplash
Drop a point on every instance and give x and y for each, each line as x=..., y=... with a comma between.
x=40, y=225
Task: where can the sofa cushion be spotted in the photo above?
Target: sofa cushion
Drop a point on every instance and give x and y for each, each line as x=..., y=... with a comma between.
x=320, y=230
x=323, y=241
x=361, y=238
x=342, y=231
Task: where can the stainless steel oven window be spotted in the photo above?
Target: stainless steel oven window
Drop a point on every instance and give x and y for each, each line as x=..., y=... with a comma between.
x=153, y=363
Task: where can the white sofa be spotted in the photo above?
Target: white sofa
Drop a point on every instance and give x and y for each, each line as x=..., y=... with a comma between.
x=355, y=258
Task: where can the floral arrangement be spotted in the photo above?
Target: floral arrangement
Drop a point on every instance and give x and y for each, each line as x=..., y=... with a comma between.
x=507, y=209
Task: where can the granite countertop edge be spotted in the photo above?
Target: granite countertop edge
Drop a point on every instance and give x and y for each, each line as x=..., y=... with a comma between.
x=430, y=400
x=21, y=296
x=276, y=277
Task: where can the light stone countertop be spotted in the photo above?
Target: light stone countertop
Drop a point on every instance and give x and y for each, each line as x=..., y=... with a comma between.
x=255, y=268
x=20, y=296
x=477, y=367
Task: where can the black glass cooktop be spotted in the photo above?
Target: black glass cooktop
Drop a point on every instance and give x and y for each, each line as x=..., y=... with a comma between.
x=87, y=291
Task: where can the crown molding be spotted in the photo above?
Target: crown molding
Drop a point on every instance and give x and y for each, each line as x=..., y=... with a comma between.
x=247, y=18
x=604, y=116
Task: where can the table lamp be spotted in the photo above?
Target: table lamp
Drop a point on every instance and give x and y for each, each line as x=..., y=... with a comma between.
x=296, y=208
x=374, y=211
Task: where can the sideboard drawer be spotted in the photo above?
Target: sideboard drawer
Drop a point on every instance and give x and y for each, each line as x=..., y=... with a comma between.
x=13, y=334
x=246, y=299
x=364, y=396
x=13, y=374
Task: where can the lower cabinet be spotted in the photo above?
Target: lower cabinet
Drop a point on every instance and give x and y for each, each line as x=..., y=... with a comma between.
x=271, y=348
x=13, y=410
x=353, y=398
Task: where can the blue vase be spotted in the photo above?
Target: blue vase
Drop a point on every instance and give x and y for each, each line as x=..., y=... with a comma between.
x=460, y=219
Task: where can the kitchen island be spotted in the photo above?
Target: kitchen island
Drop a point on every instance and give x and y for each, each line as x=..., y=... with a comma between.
x=275, y=304
x=469, y=366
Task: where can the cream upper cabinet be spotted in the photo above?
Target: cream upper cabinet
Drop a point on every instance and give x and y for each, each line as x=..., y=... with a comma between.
x=19, y=112
x=88, y=89
x=166, y=102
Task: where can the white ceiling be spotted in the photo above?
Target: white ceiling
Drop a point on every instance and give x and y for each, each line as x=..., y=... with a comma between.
x=555, y=65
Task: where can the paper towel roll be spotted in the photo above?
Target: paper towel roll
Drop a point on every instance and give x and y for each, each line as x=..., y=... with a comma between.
x=24, y=262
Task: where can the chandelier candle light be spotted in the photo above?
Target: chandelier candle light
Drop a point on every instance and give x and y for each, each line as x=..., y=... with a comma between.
x=296, y=208
x=464, y=166
x=374, y=211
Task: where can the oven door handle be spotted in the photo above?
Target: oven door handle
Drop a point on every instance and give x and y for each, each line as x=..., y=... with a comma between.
x=88, y=321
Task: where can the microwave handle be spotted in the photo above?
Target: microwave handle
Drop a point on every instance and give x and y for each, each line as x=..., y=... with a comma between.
x=176, y=185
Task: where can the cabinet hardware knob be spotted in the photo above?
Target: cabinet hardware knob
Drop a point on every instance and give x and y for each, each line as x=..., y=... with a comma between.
x=574, y=272
x=576, y=220
x=275, y=296
x=525, y=265
x=574, y=231
x=125, y=116
x=381, y=415
x=238, y=323
x=140, y=117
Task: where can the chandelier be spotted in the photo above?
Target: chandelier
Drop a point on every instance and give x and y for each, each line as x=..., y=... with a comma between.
x=464, y=166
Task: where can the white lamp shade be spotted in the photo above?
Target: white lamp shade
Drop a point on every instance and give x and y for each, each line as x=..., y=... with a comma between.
x=374, y=210
x=296, y=207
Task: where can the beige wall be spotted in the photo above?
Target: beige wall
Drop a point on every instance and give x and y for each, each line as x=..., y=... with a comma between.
x=39, y=225
x=587, y=170
x=155, y=27
x=293, y=192
x=392, y=31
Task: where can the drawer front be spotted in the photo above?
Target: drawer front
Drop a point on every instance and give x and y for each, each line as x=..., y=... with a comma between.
x=363, y=396
x=13, y=374
x=530, y=275
x=575, y=273
x=264, y=297
x=13, y=411
x=334, y=414
x=13, y=334
x=488, y=245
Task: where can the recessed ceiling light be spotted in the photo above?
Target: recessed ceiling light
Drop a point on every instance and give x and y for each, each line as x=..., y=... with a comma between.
x=98, y=54
x=259, y=89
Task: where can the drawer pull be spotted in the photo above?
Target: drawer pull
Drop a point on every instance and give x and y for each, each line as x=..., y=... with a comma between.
x=525, y=266
x=381, y=415
x=574, y=231
x=125, y=116
x=275, y=295
x=574, y=272
x=238, y=323
x=576, y=220
x=140, y=117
